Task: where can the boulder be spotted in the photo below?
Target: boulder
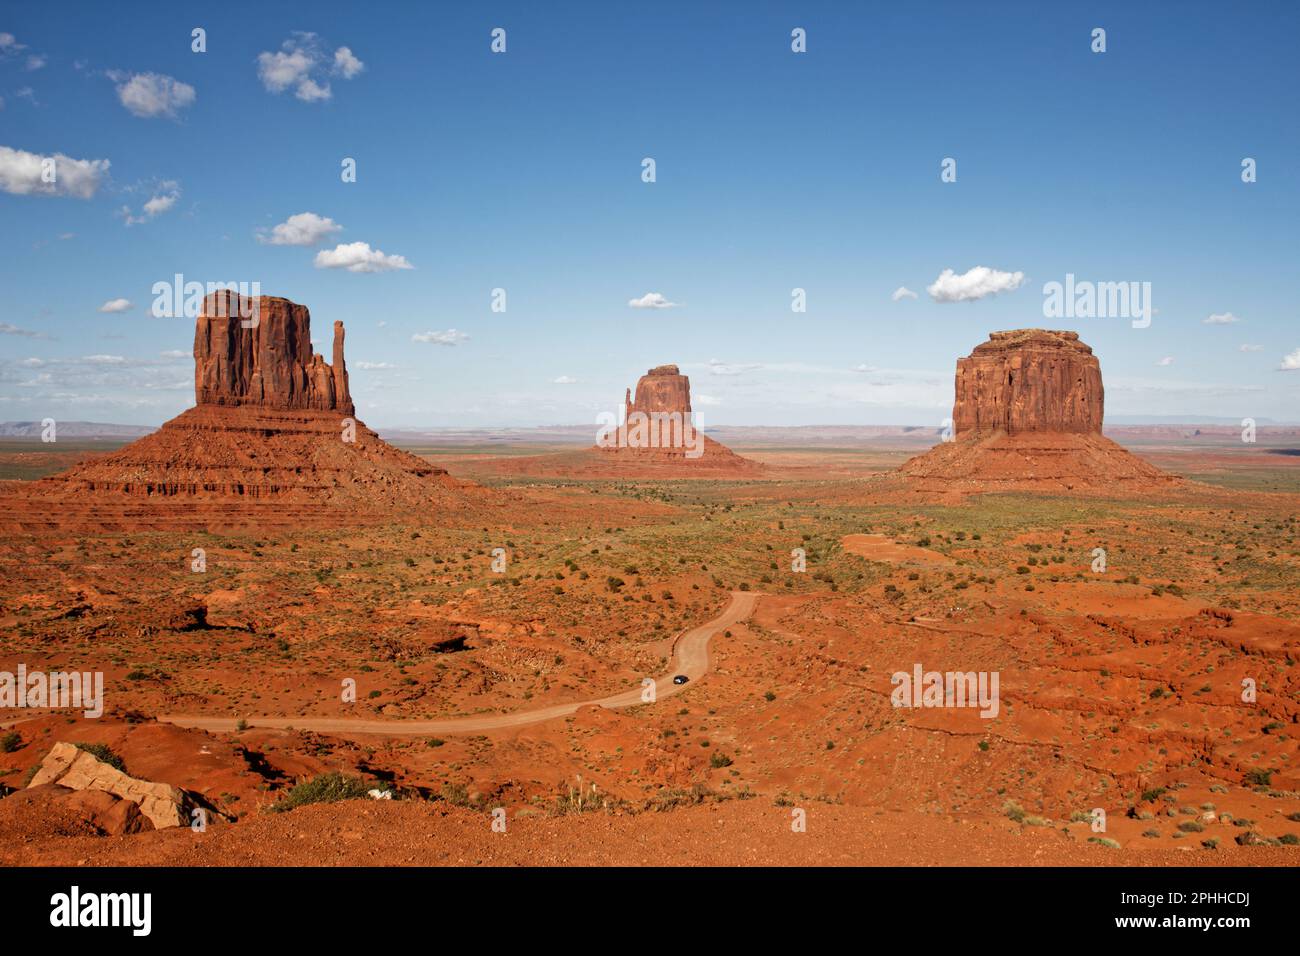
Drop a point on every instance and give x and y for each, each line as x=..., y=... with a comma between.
x=67, y=765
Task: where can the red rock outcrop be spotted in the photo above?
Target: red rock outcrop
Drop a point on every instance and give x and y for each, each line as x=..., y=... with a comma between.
x=1027, y=416
x=1029, y=380
x=258, y=352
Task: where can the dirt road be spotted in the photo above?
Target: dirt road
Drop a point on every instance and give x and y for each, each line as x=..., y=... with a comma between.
x=690, y=657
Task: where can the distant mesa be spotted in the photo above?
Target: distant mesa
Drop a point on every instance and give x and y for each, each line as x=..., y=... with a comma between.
x=272, y=427
x=1028, y=415
x=659, y=429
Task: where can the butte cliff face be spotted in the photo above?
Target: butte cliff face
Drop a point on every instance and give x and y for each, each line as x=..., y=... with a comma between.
x=1029, y=380
x=1028, y=415
x=266, y=359
x=272, y=436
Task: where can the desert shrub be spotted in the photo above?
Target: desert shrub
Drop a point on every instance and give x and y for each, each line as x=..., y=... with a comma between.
x=1258, y=778
x=10, y=742
x=327, y=788
x=719, y=760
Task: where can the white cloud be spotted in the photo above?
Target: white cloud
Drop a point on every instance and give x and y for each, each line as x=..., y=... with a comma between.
x=279, y=71
x=974, y=284
x=565, y=380
x=706, y=401
x=359, y=257
x=9, y=44
x=309, y=91
x=651, y=300
x=1290, y=363
x=1167, y=360
x=176, y=354
x=104, y=359
x=449, y=337
x=20, y=174
x=160, y=204
x=301, y=64
x=154, y=94
x=374, y=366
x=347, y=64
x=1221, y=318
x=35, y=62
x=865, y=368
x=115, y=305
x=167, y=194
x=902, y=292
x=301, y=229
x=1252, y=348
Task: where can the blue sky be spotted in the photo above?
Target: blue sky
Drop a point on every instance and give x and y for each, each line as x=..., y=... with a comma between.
x=774, y=170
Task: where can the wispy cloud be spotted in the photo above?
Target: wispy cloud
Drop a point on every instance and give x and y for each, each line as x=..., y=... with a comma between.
x=115, y=305
x=729, y=368
x=449, y=337
x=165, y=196
x=902, y=292
x=1291, y=362
x=1221, y=318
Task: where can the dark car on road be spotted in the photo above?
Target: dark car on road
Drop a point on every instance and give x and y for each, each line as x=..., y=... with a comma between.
x=680, y=679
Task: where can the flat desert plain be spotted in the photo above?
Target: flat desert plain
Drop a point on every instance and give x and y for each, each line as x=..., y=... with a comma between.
x=485, y=670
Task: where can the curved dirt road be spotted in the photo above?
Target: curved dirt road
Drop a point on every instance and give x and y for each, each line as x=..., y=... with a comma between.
x=690, y=657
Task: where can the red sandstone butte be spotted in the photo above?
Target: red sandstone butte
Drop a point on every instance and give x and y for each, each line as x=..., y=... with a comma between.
x=1029, y=380
x=260, y=354
x=664, y=391
x=272, y=432
x=1028, y=415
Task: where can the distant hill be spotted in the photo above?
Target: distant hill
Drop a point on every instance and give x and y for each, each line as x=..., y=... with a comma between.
x=75, y=430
